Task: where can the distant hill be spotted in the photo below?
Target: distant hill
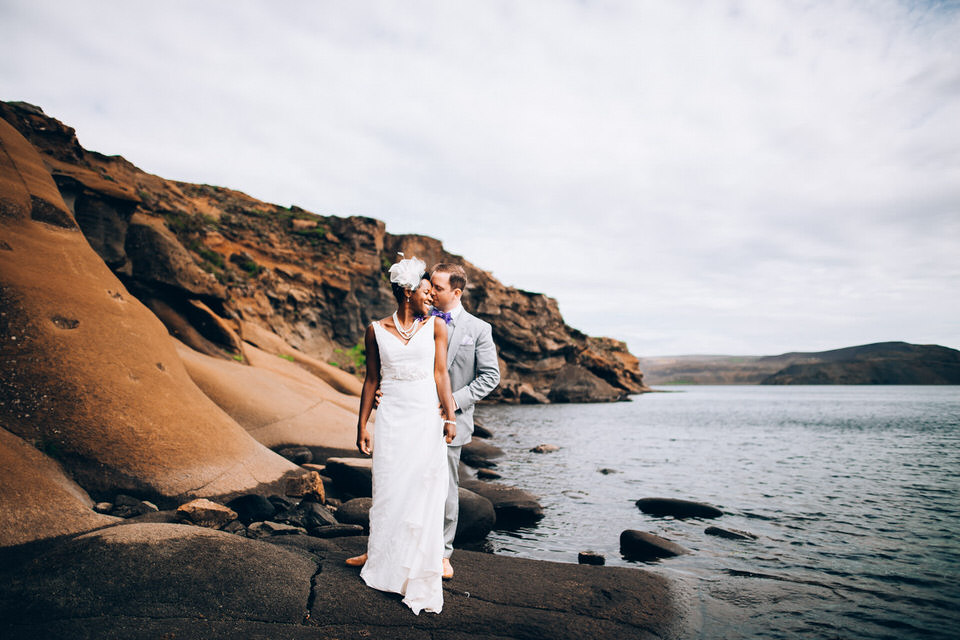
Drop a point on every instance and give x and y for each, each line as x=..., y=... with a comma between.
x=878, y=363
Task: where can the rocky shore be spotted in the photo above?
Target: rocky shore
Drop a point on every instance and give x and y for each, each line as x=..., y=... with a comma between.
x=177, y=401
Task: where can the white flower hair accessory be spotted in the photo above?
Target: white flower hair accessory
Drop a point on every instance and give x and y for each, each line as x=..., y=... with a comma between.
x=407, y=272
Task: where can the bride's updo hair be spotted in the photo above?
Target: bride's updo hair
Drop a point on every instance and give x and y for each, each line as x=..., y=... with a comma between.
x=398, y=290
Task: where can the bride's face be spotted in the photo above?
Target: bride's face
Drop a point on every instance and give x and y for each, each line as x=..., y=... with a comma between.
x=422, y=298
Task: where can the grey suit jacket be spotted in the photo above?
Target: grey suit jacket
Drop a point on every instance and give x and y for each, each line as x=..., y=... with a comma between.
x=473, y=367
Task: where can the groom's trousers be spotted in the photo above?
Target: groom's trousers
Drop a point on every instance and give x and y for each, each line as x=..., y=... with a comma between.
x=451, y=509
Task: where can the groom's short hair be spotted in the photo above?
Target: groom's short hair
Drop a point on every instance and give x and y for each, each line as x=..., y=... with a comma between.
x=458, y=277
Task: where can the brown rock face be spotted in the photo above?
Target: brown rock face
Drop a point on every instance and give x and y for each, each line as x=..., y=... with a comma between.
x=88, y=372
x=313, y=281
x=37, y=499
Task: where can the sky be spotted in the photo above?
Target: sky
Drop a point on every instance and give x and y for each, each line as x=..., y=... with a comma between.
x=722, y=177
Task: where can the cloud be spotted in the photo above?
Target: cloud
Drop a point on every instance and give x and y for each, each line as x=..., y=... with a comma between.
x=692, y=176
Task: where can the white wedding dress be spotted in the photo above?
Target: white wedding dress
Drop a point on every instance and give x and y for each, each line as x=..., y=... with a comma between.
x=405, y=549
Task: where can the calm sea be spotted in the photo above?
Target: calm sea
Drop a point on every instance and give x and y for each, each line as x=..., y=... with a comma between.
x=853, y=492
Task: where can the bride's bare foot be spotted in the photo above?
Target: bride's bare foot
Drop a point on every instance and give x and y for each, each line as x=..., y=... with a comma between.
x=357, y=561
x=447, y=569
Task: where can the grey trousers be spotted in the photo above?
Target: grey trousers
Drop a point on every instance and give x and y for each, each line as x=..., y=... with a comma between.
x=451, y=509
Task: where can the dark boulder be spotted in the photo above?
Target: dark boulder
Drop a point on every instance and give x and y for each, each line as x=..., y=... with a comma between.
x=296, y=455
x=477, y=517
x=336, y=531
x=352, y=476
x=640, y=545
x=252, y=508
x=356, y=511
x=477, y=454
x=316, y=515
x=678, y=508
x=514, y=507
x=729, y=534
x=480, y=431
x=487, y=474
x=591, y=557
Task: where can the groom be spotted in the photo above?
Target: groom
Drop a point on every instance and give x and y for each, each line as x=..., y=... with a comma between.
x=474, y=373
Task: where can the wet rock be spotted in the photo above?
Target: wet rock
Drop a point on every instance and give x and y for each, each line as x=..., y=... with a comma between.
x=605, y=471
x=591, y=557
x=296, y=455
x=252, y=508
x=480, y=431
x=678, y=508
x=206, y=513
x=487, y=474
x=336, y=531
x=477, y=517
x=640, y=545
x=306, y=484
x=514, y=507
x=478, y=454
x=267, y=529
x=352, y=476
x=356, y=511
x=545, y=448
x=730, y=534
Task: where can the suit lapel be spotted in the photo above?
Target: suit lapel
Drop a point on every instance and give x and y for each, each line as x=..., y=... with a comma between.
x=453, y=342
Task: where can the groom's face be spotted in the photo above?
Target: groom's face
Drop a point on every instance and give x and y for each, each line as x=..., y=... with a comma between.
x=444, y=298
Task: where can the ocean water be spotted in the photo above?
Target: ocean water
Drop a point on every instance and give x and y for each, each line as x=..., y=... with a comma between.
x=854, y=493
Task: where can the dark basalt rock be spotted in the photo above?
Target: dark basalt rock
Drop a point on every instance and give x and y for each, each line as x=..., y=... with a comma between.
x=478, y=454
x=352, y=476
x=678, y=508
x=730, y=534
x=477, y=517
x=514, y=507
x=640, y=545
x=252, y=508
x=356, y=511
x=297, y=455
x=591, y=557
x=480, y=431
x=336, y=531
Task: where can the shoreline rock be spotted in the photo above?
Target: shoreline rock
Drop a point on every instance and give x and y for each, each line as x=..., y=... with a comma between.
x=678, y=508
x=149, y=581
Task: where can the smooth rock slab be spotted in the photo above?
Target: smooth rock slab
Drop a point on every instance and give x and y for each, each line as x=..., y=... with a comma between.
x=514, y=507
x=640, y=545
x=117, y=576
x=336, y=531
x=678, y=508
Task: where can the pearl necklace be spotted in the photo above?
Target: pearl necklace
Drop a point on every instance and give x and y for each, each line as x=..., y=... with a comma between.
x=407, y=334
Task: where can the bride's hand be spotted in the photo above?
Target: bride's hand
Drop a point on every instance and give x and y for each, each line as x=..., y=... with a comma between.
x=449, y=432
x=364, y=443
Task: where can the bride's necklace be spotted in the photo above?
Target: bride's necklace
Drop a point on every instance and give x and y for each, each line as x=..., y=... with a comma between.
x=405, y=333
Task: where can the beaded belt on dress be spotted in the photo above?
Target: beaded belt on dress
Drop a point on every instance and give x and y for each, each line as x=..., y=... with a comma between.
x=405, y=374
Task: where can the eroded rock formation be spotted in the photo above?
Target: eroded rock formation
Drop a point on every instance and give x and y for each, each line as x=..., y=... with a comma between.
x=194, y=253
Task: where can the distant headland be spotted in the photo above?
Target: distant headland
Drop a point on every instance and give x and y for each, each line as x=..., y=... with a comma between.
x=877, y=363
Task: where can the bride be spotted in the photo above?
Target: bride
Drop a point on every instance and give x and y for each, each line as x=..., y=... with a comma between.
x=406, y=358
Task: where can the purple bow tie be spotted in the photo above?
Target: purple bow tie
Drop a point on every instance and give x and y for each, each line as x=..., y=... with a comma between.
x=442, y=314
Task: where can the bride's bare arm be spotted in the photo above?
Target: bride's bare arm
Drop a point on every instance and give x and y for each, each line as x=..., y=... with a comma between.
x=371, y=382
x=442, y=379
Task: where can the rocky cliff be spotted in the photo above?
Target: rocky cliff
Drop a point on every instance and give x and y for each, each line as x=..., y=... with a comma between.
x=218, y=267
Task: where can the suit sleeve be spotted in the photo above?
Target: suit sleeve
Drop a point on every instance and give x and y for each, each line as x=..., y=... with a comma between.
x=488, y=372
